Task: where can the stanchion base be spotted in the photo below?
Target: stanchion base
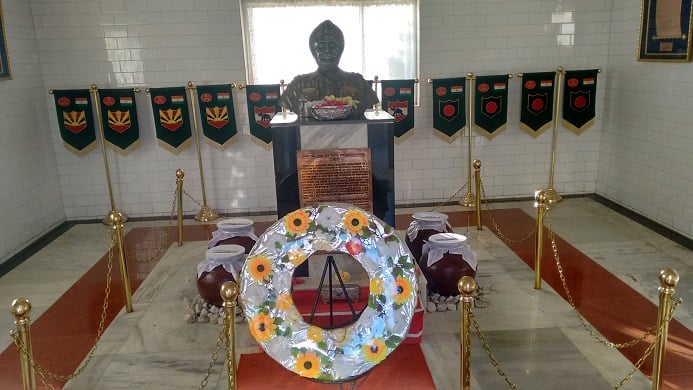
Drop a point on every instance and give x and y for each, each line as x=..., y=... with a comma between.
x=552, y=197
x=468, y=200
x=113, y=216
x=206, y=214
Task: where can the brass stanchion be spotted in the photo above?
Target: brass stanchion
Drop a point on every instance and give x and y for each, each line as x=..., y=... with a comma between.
x=179, y=196
x=551, y=195
x=118, y=226
x=477, y=180
x=668, y=279
x=205, y=214
x=110, y=218
x=229, y=293
x=21, y=308
x=540, y=204
x=466, y=286
x=468, y=199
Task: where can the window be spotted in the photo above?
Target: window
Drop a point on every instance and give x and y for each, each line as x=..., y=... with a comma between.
x=380, y=37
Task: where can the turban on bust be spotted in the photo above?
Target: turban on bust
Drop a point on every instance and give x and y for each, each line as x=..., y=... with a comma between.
x=326, y=31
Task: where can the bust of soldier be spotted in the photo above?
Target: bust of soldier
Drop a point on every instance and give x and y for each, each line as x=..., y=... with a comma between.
x=327, y=45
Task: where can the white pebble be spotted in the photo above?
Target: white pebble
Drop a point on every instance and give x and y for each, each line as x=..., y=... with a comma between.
x=452, y=306
x=190, y=318
x=441, y=307
x=203, y=318
x=430, y=307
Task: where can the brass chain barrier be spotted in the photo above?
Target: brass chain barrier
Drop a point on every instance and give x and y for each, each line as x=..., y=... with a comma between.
x=193, y=199
x=486, y=347
x=215, y=356
x=44, y=373
x=497, y=228
x=443, y=203
x=162, y=245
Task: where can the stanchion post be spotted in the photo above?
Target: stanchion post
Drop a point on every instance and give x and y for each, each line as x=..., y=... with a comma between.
x=668, y=279
x=468, y=199
x=179, y=196
x=540, y=203
x=21, y=309
x=466, y=286
x=118, y=226
x=477, y=182
x=229, y=293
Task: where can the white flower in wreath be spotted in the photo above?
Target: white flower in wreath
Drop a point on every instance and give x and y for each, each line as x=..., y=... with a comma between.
x=282, y=281
x=387, y=248
x=345, y=366
x=275, y=242
x=254, y=295
x=280, y=349
x=328, y=218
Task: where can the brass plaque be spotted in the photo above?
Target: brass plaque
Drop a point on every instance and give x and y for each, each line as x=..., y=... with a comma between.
x=335, y=175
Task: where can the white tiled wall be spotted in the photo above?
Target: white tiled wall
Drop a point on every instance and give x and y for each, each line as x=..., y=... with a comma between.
x=152, y=43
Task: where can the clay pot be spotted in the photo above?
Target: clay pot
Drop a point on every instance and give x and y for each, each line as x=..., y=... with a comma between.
x=451, y=259
x=425, y=224
x=239, y=231
x=220, y=264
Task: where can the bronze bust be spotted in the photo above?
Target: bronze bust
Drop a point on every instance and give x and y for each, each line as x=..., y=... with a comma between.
x=327, y=45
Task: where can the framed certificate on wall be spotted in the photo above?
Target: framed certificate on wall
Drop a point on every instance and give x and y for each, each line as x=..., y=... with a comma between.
x=665, y=30
x=5, y=72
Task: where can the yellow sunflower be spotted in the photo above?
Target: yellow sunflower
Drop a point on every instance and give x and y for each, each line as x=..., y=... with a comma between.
x=376, y=286
x=297, y=256
x=297, y=222
x=259, y=267
x=307, y=365
x=315, y=333
x=284, y=302
x=374, y=351
x=355, y=221
x=403, y=290
x=262, y=327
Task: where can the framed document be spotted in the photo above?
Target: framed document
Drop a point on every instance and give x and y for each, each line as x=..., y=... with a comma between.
x=665, y=30
x=5, y=72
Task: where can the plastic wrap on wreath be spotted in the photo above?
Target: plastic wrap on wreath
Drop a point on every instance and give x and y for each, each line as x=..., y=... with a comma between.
x=329, y=355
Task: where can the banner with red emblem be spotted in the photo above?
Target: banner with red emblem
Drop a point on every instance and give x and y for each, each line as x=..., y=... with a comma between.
x=217, y=113
x=75, y=120
x=398, y=101
x=491, y=104
x=536, y=107
x=119, y=119
x=579, y=99
x=449, y=116
x=262, y=106
x=171, y=117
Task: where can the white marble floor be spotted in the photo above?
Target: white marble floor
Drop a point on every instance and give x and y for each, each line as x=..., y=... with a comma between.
x=534, y=335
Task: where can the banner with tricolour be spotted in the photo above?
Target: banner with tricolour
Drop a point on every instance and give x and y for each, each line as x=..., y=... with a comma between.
x=579, y=99
x=75, y=120
x=262, y=106
x=119, y=119
x=217, y=113
x=449, y=117
x=491, y=104
x=171, y=117
x=536, y=107
x=398, y=101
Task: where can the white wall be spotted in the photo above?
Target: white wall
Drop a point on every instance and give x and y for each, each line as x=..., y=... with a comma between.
x=646, y=156
x=30, y=198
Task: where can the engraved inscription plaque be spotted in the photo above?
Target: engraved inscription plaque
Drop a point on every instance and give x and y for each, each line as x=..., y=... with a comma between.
x=335, y=175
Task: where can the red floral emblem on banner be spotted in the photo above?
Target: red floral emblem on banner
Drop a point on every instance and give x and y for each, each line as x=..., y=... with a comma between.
x=530, y=84
x=108, y=101
x=263, y=115
x=449, y=109
x=254, y=97
x=217, y=117
x=579, y=101
x=441, y=91
x=119, y=121
x=483, y=87
x=206, y=97
x=537, y=103
x=160, y=99
x=389, y=91
x=171, y=119
x=75, y=121
x=63, y=101
x=573, y=82
x=491, y=106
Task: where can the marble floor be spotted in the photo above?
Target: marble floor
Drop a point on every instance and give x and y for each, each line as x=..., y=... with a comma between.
x=609, y=263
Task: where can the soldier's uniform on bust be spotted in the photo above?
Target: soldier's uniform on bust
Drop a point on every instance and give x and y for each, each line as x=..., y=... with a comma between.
x=327, y=45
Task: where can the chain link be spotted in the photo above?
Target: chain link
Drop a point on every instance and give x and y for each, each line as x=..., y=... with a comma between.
x=443, y=203
x=489, y=352
x=193, y=199
x=43, y=372
x=163, y=243
x=215, y=355
x=532, y=229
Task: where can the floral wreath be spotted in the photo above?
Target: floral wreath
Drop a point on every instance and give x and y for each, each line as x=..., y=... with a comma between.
x=328, y=355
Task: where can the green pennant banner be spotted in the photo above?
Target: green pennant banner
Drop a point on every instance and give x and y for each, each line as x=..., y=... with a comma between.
x=75, y=120
x=398, y=101
x=491, y=104
x=119, y=119
x=449, y=116
x=217, y=113
x=263, y=103
x=579, y=99
x=536, y=107
x=171, y=117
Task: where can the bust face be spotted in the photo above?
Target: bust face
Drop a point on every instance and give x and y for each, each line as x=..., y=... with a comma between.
x=327, y=53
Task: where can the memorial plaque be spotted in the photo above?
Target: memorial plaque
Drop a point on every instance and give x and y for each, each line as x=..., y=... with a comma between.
x=335, y=175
